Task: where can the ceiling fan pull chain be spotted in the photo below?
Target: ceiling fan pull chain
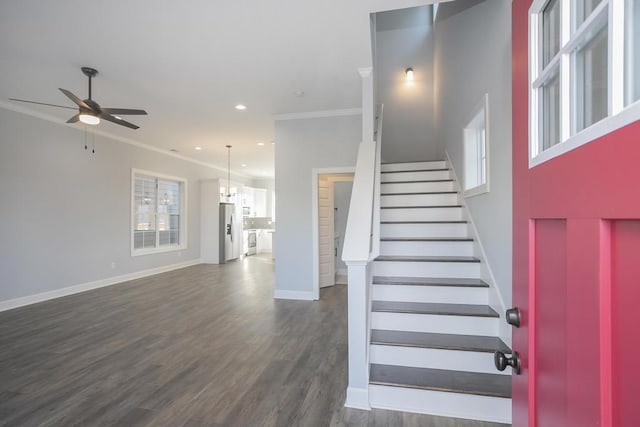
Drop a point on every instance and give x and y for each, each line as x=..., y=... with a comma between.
x=93, y=143
x=85, y=137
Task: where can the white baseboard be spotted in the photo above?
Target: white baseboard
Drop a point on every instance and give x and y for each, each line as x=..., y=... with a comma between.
x=357, y=398
x=296, y=295
x=83, y=287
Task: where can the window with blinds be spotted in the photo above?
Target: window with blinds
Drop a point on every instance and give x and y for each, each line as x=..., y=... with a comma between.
x=158, y=211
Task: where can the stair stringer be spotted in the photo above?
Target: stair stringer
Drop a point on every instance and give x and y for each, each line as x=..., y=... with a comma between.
x=496, y=300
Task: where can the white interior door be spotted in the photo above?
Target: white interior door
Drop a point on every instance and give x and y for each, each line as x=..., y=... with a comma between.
x=325, y=232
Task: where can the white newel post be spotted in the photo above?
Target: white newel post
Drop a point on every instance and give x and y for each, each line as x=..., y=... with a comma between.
x=358, y=389
x=357, y=252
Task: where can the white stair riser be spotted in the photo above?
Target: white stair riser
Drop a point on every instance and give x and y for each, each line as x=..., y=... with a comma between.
x=440, y=248
x=417, y=187
x=463, y=270
x=410, y=166
x=464, y=325
x=453, y=360
x=441, y=403
x=437, y=199
x=424, y=230
x=435, y=294
x=415, y=176
x=421, y=214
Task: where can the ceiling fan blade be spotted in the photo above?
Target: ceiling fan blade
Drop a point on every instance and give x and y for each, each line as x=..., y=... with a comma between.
x=74, y=119
x=124, y=111
x=75, y=99
x=42, y=103
x=121, y=122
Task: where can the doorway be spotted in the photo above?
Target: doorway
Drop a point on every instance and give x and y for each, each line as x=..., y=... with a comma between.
x=331, y=198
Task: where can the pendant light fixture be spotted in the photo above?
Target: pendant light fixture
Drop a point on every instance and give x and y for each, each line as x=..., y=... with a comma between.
x=228, y=172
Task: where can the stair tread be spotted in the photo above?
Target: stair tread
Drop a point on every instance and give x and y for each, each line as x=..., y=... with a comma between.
x=412, y=161
x=477, y=343
x=417, y=193
x=417, y=170
x=421, y=207
x=411, y=258
x=433, y=308
x=426, y=239
x=417, y=180
x=429, y=281
x=441, y=380
x=424, y=222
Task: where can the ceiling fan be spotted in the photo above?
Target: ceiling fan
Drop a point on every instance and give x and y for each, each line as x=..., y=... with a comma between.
x=89, y=111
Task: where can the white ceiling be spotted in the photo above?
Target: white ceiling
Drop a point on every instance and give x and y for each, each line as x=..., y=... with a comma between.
x=188, y=63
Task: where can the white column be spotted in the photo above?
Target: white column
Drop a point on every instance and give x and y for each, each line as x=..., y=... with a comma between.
x=368, y=107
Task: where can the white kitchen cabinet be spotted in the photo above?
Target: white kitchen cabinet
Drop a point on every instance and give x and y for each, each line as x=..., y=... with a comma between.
x=260, y=201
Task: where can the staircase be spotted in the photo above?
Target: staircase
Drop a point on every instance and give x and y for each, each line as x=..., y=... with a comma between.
x=432, y=332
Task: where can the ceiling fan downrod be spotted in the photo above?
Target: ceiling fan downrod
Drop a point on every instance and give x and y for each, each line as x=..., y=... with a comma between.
x=89, y=72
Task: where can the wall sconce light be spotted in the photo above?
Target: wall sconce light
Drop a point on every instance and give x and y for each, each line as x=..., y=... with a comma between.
x=409, y=73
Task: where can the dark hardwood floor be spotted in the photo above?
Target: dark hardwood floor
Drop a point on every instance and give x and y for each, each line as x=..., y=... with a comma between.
x=201, y=346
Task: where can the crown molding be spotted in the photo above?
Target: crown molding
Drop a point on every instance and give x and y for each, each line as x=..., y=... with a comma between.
x=319, y=114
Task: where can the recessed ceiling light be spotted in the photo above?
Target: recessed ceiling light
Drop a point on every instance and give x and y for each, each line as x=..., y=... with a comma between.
x=241, y=107
x=244, y=165
x=173, y=150
x=299, y=93
x=198, y=148
x=261, y=143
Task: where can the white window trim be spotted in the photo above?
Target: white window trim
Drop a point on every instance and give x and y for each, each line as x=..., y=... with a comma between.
x=482, y=188
x=618, y=115
x=183, y=214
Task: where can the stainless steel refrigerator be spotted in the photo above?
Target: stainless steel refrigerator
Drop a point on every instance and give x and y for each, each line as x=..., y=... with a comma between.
x=228, y=238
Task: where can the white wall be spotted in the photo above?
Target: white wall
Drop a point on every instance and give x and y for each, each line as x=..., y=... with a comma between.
x=302, y=145
x=473, y=57
x=404, y=38
x=65, y=212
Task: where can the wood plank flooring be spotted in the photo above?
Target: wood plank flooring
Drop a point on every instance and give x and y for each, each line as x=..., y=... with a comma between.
x=201, y=346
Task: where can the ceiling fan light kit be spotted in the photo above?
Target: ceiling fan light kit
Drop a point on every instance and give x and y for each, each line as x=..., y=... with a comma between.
x=89, y=119
x=89, y=111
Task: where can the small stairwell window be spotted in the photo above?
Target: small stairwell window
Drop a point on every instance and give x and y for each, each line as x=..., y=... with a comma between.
x=584, y=72
x=476, y=151
x=158, y=213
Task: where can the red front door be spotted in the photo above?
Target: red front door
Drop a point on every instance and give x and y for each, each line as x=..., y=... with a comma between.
x=576, y=273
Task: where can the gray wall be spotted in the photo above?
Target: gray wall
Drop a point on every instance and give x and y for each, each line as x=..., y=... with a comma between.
x=473, y=57
x=404, y=38
x=341, y=200
x=302, y=145
x=66, y=212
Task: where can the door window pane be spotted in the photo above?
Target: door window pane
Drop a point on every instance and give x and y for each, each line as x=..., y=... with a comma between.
x=591, y=64
x=632, y=48
x=551, y=112
x=550, y=31
x=584, y=9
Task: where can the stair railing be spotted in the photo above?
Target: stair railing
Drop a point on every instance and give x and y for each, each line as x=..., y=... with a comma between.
x=362, y=244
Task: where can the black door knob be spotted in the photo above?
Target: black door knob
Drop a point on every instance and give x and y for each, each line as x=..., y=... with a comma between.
x=513, y=317
x=501, y=361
